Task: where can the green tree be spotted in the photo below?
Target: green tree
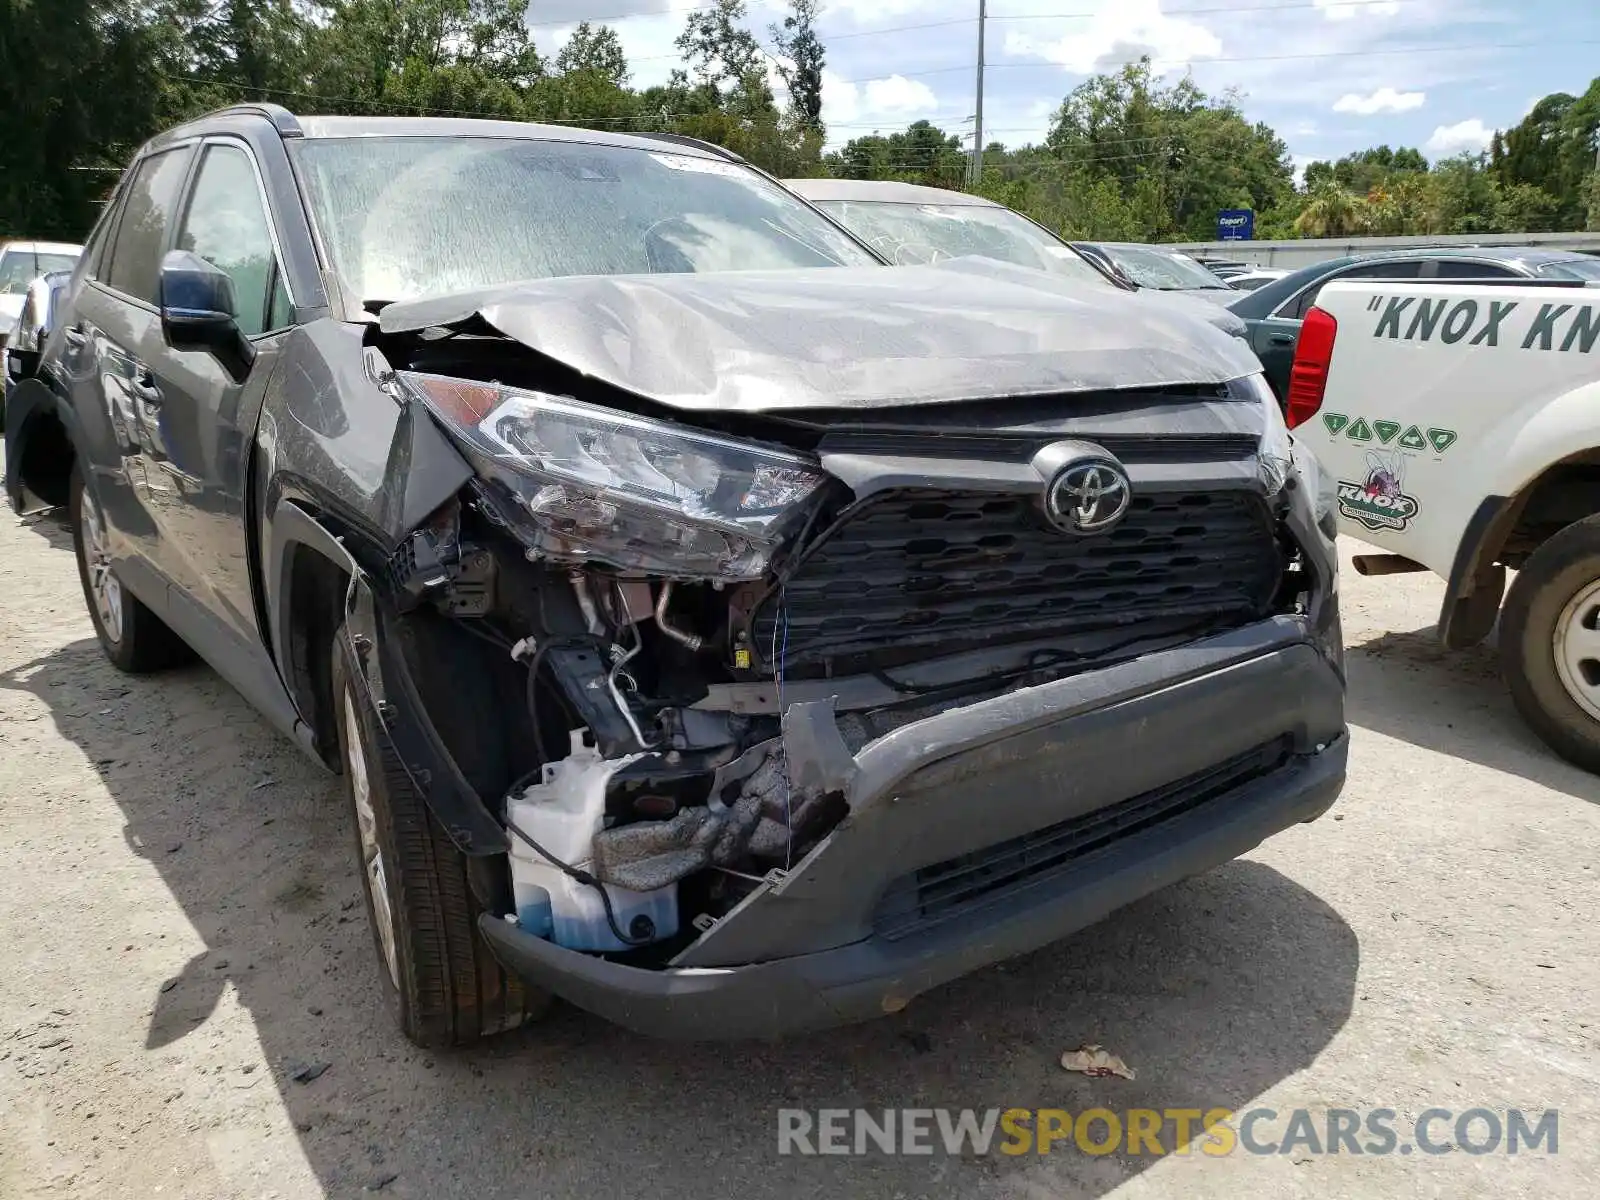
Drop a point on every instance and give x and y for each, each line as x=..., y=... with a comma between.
x=596, y=50
x=801, y=59
x=1176, y=156
x=723, y=55
x=79, y=88
x=1330, y=211
x=1466, y=197
x=1525, y=208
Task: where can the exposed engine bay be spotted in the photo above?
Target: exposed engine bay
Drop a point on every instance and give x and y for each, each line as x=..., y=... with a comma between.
x=703, y=624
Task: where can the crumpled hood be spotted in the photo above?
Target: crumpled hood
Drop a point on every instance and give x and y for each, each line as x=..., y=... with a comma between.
x=1203, y=306
x=845, y=338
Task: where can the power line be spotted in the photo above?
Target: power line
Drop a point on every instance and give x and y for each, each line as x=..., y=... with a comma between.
x=1245, y=58
x=1297, y=6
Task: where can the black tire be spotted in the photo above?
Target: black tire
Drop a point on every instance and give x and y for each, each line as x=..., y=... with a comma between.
x=445, y=988
x=142, y=642
x=1554, y=575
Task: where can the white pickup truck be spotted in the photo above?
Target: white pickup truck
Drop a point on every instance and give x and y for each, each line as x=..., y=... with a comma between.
x=1459, y=427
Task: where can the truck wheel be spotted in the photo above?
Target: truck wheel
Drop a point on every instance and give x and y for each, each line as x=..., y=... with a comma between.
x=133, y=637
x=443, y=985
x=1550, y=643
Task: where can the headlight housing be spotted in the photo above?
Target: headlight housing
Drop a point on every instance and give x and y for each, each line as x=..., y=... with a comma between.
x=1279, y=456
x=591, y=484
x=1276, y=452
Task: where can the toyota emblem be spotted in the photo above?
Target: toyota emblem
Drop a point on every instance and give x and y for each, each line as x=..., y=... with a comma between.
x=1088, y=496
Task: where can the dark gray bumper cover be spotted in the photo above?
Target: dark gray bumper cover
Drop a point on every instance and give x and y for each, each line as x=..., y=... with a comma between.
x=804, y=953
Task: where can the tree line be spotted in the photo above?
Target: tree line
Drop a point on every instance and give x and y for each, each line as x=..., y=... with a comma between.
x=1127, y=155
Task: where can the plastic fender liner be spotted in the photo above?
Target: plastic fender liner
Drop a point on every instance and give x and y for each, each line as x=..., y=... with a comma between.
x=1477, y=583
x=392, y=692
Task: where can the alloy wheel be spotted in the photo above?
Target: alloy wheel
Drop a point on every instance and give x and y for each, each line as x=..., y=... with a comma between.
x=367, y=832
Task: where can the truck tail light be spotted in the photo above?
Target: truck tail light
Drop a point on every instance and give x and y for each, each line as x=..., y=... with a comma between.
x=1308, y=378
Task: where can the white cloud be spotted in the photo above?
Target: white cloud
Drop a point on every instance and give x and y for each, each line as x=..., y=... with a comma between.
x=1345, y=10
x=1471, y=134
x=893, y=102
x=1385, y=99
x=1119, y=33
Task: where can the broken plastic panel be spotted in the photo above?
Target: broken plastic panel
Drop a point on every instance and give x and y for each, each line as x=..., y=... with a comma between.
x=1275, y=454
x=562, y=813
x=599, y=485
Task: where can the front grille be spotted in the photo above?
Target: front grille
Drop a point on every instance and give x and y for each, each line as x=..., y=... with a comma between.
x=948, y=888
x=916, y=573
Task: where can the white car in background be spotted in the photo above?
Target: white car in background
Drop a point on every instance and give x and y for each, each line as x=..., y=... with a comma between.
x=20, y=264
x=909, y=224
x=1249, y=281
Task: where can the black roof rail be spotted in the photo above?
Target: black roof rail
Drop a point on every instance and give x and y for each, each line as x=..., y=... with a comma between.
x=284, y=121
x=684, y=139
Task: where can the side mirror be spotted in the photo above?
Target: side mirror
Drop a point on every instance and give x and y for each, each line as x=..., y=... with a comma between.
x=198, y=313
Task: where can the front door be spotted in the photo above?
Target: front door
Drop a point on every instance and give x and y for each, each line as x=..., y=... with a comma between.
x=203, y=419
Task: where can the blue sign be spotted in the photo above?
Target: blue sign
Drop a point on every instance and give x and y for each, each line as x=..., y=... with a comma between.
x=1236, y=225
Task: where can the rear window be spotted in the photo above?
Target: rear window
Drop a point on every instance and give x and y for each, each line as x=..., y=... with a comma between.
x=1573, y=268
x=908, y=234
x=147, y=216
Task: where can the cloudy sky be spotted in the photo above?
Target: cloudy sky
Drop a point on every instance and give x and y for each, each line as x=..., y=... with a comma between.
x=1330, y=75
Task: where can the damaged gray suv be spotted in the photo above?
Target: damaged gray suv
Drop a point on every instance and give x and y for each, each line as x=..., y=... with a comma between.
x=712, y=626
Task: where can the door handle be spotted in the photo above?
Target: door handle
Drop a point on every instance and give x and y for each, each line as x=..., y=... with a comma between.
x=1282, y=339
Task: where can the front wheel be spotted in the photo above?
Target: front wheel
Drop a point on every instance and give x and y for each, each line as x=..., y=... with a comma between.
x=443, y=985
x=1550, y=643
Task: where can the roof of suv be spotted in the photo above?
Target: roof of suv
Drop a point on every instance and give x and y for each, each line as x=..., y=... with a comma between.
x=289, y=125
x=42, y=247
x=883, y=191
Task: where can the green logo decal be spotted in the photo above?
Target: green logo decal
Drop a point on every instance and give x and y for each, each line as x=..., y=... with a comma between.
x=1412, y=439
x=1360, y=431
x=1442, y=439
x=1335, y=422
x=1386, y=430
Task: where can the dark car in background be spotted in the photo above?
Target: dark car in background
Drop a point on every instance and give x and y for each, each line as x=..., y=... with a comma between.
x=1274, y=312
x=1159, y=268
x=911, y=223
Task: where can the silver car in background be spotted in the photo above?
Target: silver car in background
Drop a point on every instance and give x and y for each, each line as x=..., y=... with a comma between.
x=20, y=264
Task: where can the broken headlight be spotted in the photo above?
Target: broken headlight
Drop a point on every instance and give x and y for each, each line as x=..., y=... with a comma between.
x=595, y=485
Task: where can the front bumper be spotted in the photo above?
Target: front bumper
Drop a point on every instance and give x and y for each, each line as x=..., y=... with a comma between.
x=994, y=829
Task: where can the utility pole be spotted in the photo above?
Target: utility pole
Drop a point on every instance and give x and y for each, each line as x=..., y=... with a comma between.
x=977, y=130
x=1594, y=186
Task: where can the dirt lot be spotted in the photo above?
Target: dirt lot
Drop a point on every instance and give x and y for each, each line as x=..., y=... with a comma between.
x=181, y=933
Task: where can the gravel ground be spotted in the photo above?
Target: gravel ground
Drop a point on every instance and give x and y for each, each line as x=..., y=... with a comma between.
x=182, y=933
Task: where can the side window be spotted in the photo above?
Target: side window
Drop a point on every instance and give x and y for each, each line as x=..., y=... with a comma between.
x=1455, y=268
x=1409, y=269
x=147, y=215
x=227, y=226
x=94, y=250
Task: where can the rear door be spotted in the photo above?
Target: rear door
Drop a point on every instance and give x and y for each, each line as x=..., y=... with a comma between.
x=1274, y=338
x=110, y=344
